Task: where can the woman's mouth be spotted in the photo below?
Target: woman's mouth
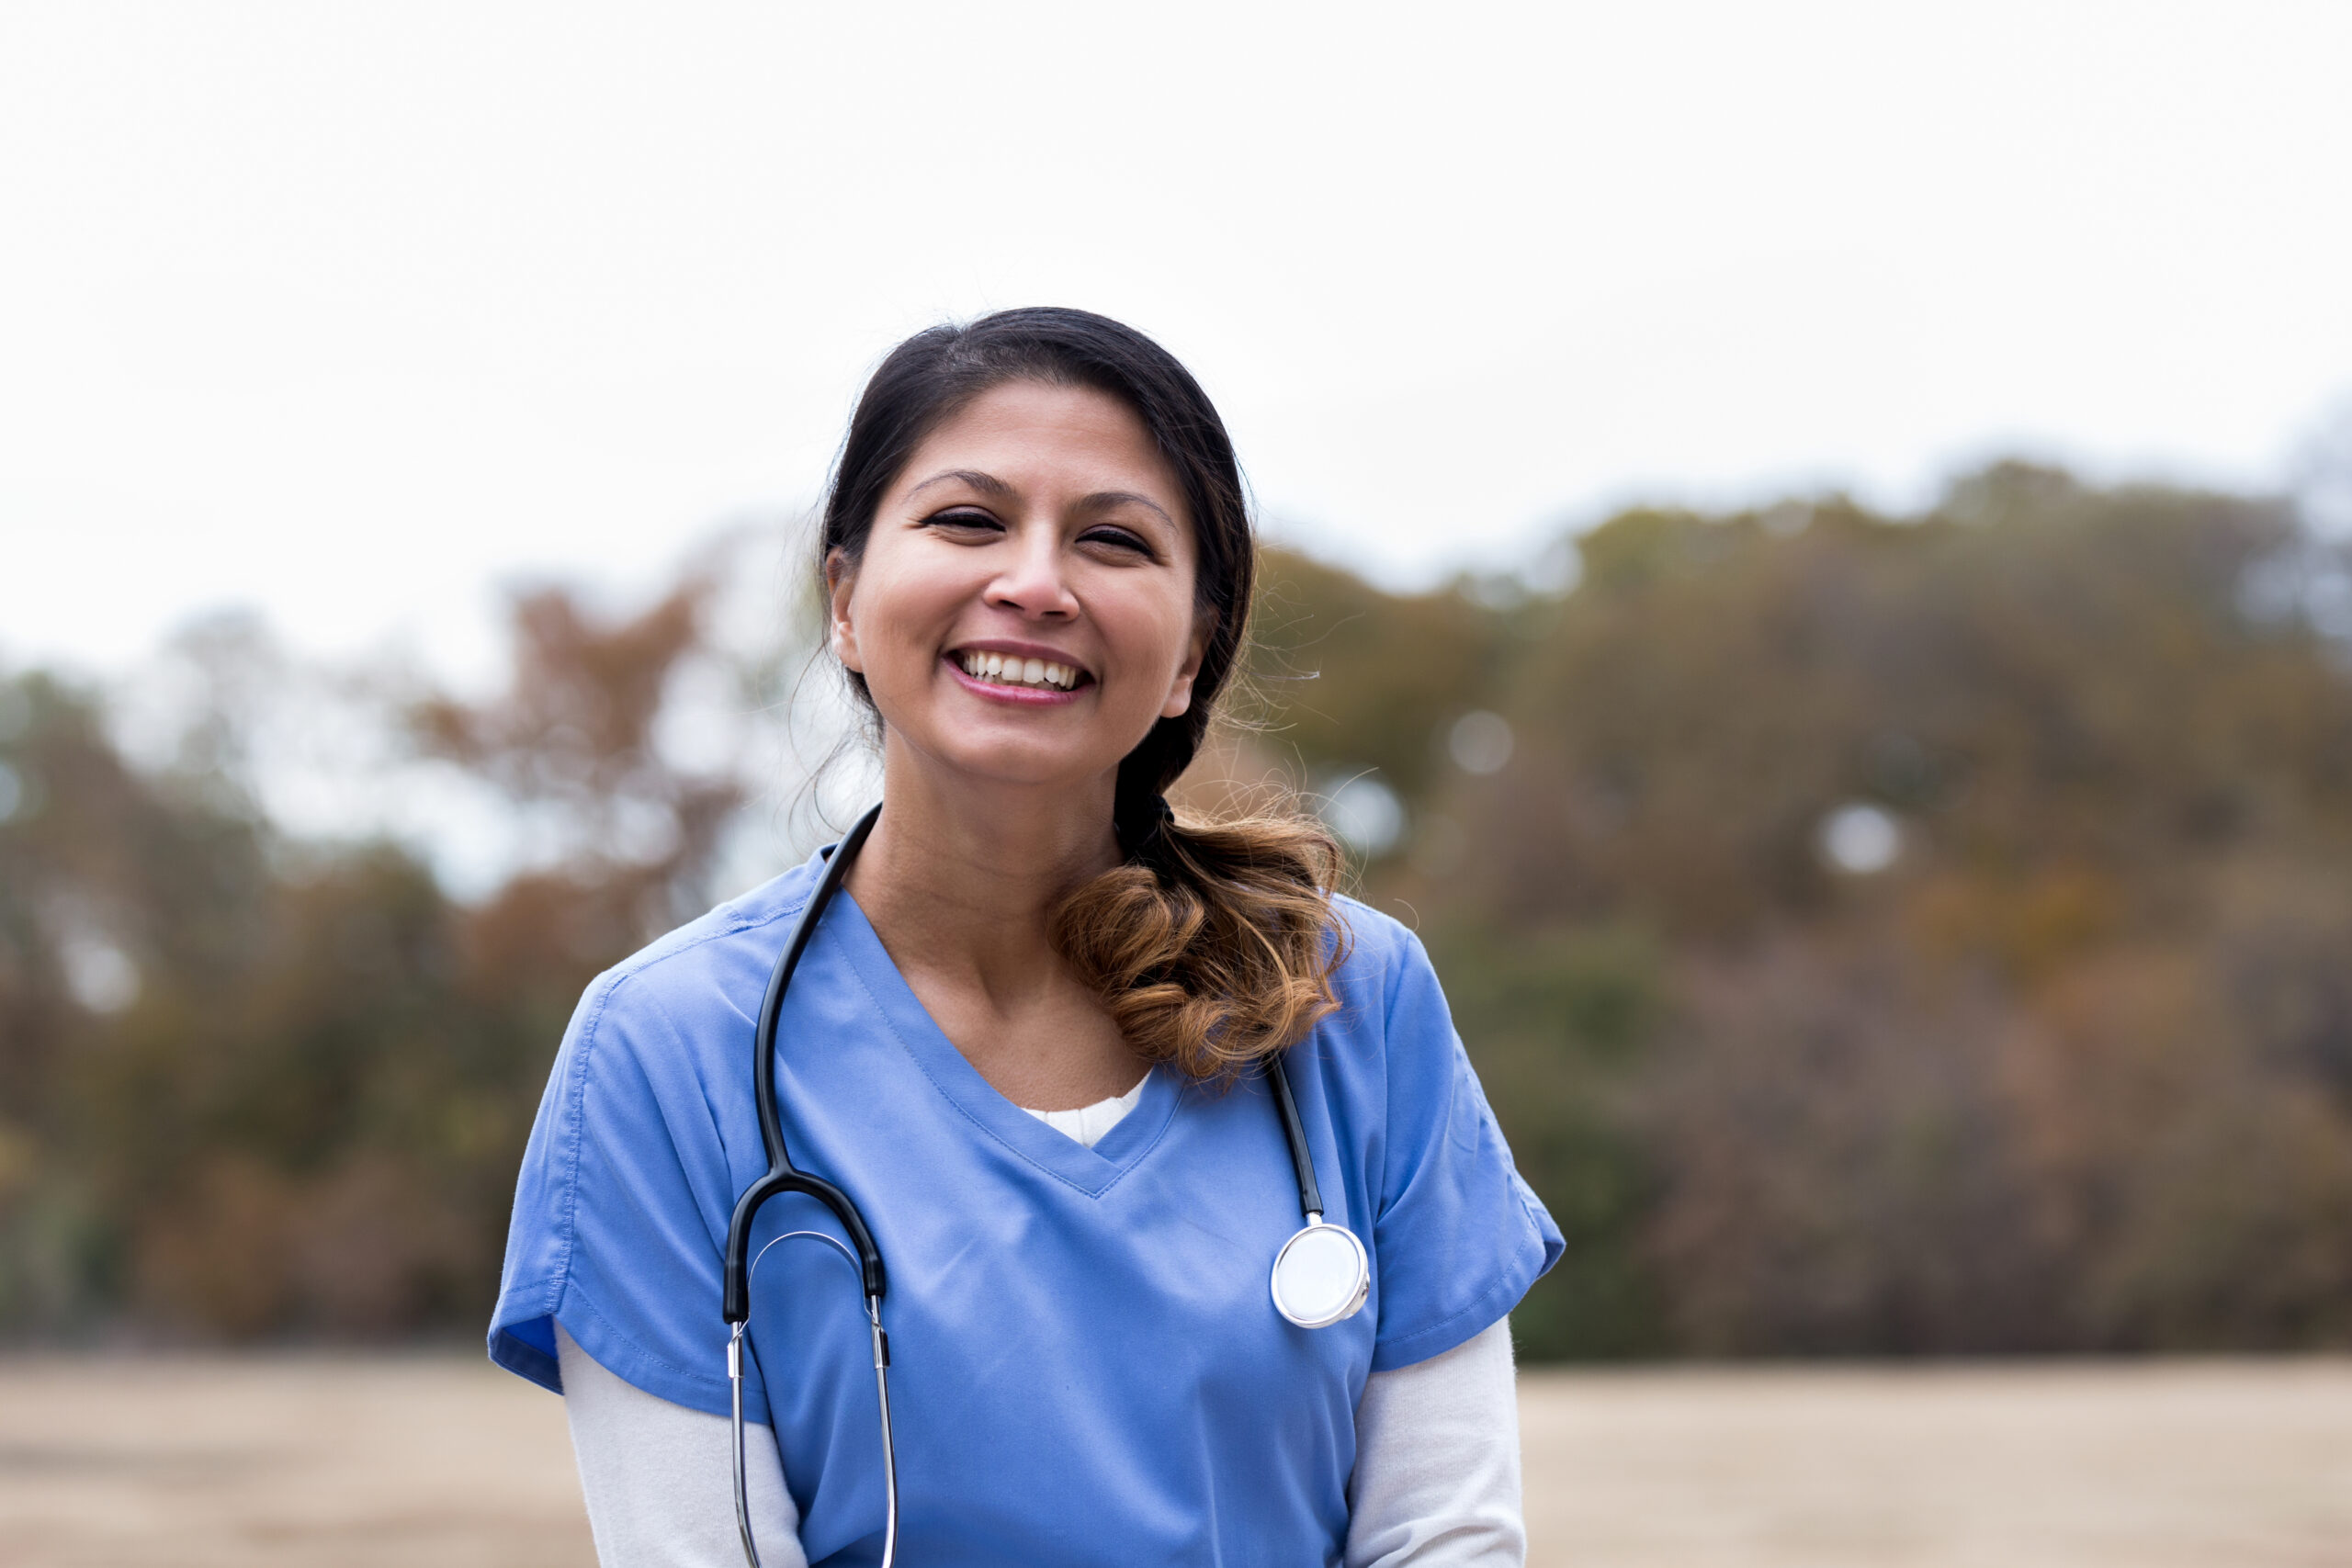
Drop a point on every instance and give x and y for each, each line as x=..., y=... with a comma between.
x=1016, y=672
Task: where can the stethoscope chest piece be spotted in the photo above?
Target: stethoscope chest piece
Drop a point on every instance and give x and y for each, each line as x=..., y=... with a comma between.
x=1321, y=1275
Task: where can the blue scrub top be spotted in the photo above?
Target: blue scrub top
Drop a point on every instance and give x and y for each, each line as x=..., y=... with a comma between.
x=1086, y=1364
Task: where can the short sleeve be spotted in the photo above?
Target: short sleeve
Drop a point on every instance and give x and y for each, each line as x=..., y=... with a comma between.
x=613, y=1233
x=1458, y=1236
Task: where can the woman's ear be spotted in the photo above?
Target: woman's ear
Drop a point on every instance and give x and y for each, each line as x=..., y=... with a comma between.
x=1180, y=691
x=839, y=582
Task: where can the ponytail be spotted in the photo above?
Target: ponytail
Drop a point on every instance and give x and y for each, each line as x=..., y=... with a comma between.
x=1213, y=944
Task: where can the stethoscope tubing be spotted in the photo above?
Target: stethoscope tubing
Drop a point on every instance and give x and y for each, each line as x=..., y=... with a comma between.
x=881, y=1393
x=782, y=1177
x=736, y=1291
x=1302, y=1159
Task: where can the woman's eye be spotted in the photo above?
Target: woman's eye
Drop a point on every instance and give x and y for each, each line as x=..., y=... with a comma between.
x=1119, y=537
x=963, y=519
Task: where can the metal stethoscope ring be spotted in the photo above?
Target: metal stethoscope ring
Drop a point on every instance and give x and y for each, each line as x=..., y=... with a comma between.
x=1320, y=1276
x=881, y=1390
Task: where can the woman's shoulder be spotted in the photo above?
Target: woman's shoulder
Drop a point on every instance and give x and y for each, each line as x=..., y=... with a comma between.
x=1392, y=1026
x=690, y=986
x=680, y=959
x=640, y=1140
x=1381, y=958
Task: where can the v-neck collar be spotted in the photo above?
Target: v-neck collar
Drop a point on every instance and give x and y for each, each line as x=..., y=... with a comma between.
x=1091, y=1170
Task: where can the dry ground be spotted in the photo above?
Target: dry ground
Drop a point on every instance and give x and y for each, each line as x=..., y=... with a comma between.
x=2153, y=1466
x=360, y=1463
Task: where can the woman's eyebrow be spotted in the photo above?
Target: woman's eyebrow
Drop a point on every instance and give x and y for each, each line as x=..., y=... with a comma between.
x=1104, y=500
x=987, y=484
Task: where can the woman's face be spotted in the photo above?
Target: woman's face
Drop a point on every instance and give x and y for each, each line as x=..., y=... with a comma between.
x=1024, y=612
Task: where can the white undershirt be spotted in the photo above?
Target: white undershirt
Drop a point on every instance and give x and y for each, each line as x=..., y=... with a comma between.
x=1436, y=1482
x=1088, y=1123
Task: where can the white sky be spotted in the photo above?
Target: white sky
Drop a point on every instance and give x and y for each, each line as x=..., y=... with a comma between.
x=354, y=312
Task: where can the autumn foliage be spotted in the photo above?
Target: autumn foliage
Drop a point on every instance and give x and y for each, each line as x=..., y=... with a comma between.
x=2064, y=1064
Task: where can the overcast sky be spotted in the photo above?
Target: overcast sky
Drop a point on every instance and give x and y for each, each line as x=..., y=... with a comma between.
x=352, y=312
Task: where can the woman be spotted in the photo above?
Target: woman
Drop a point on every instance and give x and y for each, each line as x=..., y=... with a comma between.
x=1031, y=1037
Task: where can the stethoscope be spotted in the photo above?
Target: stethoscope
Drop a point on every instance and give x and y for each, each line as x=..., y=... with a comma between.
x=1321, y=1275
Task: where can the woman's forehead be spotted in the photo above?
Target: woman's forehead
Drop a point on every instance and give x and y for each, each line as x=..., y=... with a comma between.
x=1024, y=435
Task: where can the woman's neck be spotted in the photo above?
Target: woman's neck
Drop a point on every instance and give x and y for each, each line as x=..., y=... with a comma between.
x=960, y=880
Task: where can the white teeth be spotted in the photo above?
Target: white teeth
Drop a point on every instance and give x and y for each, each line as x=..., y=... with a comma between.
x=1014, y=669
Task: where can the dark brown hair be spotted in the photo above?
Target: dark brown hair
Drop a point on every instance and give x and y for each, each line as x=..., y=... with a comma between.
x=1213, y=944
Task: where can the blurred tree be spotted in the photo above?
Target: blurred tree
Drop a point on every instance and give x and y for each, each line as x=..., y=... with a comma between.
x=1562, y=1024
x=570, y=744
x=1347, y=678
x=123, y=897
x=1870, y=1121
x=254, y=1086
x=1877, y=935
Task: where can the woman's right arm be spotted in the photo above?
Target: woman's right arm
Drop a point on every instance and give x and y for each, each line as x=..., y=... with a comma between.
x=660, y=1478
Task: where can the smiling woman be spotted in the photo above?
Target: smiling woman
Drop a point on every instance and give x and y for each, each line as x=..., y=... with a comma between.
x=1067, y=497
x=1074, y=1066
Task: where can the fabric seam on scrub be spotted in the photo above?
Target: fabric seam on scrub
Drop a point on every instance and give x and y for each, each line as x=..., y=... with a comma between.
x=1393, y=983
x=577, y=1117
x=559, y=1282
x=1384, y=1355
x=1118, y=1173
x=613, y=1333
x=1385, y=1358
x=754, y=1382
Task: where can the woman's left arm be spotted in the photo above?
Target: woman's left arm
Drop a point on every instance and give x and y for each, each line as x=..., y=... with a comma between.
x=1436, y=1483
x=658, y=1476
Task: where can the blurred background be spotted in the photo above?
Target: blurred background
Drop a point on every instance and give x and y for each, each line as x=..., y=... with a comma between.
x=1809, y=554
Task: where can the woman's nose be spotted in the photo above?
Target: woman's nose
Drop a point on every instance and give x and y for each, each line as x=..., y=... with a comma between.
x=1032, y=581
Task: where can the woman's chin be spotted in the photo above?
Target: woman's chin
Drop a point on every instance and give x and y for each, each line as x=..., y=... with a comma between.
x=990, y=767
